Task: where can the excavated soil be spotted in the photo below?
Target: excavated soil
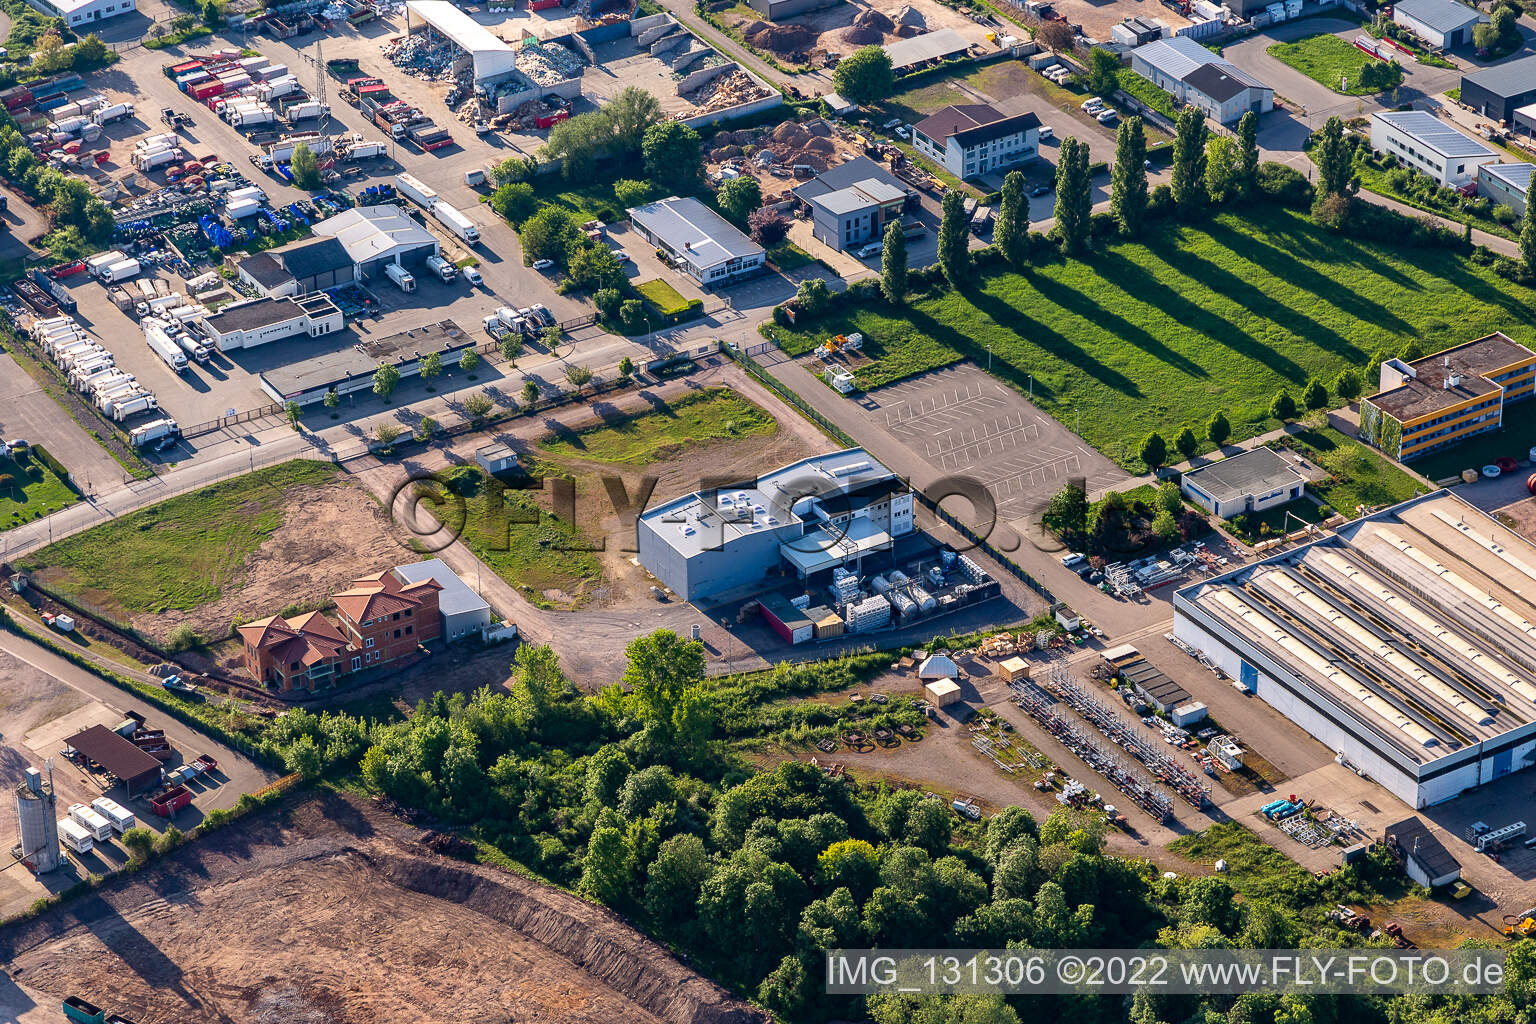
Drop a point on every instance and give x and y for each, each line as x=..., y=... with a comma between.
x=781, y=39
x=333, y=912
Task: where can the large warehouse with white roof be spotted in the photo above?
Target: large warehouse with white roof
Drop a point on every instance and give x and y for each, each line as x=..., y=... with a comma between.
x=492, y=55
x=1406, y=642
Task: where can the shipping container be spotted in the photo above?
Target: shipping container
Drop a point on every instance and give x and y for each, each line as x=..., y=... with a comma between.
x=75, y=836
x=172, y=800
x=97, y=825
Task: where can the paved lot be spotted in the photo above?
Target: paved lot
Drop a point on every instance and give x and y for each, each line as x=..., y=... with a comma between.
x=29, y=412
x=963, y=422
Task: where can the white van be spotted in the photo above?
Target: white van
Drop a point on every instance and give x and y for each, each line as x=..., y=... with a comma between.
x=1073, y=560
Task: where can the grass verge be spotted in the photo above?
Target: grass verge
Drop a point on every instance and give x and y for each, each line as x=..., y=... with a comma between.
x=1327, y=60
x=29, y=489
x=712, y=415
x=668, y=300
x=1359, y=476
x=181, y=553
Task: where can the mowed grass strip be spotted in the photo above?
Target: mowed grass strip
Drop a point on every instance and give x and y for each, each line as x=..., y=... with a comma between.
x=715, y=414
x=1327, y=60
x=1157, y=335
x=183, y=552
x=663, y=296
x=29, y=489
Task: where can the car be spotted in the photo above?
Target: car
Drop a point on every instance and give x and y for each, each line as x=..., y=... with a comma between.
x=621, y=255
x=1093, y=104
x=892, y=123
x=1073, y=558
x=1047, y=132
x=473, y=276
x=864, y=252
x=1107, y=117
x=902, y=133
x=542, y=314
x=1040, y=190
x=543, y=264
x=167, y=443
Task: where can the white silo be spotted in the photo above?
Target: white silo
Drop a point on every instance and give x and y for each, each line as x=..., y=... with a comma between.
x=37, y=811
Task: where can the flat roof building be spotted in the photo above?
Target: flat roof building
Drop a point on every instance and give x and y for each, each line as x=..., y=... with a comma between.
x=84, y=13
x=808, y=517
x=1195, y=76
x=850, y=204
x=1498, y=91
x=1443, y=24
x=1425, y=859
x=260, y=321
x=462, y=611
x=1446, y=397
x=1252, y=481
x=1425, y=143
x=1506, y=184
x=1404, y=642
x=352, y=369
x=974, y=139
x=711, y=250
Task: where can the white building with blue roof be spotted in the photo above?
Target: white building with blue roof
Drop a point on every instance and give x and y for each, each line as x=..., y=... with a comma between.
x=1506, y=184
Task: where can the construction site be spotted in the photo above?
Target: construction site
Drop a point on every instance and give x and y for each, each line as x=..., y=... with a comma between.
x=229, y=929
x=819, y=38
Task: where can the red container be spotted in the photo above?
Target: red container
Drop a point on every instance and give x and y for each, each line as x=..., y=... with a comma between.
x=550, y=120
x=543, y=5
x=18, y=99
x=204, y=90
x=171, y=801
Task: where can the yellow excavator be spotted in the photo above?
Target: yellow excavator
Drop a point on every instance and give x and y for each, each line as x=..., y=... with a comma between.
x=1521, y=925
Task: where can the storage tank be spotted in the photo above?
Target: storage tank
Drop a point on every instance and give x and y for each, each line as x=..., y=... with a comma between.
x=36, y=809
x=924, y=599
x=879, y=585
x=904, y=605
x=898, y=577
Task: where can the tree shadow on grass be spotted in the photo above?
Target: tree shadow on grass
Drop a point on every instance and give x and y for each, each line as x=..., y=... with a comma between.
x=1041, y=335
x=1090, y=309
x=1284, y=265
x=1137, y=280
x=1305, y=236
x=1456, y=272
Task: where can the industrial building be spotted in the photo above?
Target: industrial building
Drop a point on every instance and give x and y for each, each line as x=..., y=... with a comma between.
x=1196, y=77
x=1446, y=397
x=820, y=513
x=850, y=204
x=80, y=14
x=1425, y=859
x=780, y=10
x=309, y=266
x=1252, y=481
x=1404, y=643
x=707, y=247
x=929, y=48
x=492, y=56
x=352, y=369
x=116, y=756
x=1136, y=32
x=1497, y=92
x=1443, y=24
x=1425, y=143
x=974, y=139
x=375, y=236
x=261, y=321
x=462, y=611
x=1506, y=184
x=37, y=812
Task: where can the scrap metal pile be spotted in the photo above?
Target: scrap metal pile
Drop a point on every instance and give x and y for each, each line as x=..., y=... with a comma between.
x=1040, y=706
x=1123, y=734
x=548, y=63
x=421, y=55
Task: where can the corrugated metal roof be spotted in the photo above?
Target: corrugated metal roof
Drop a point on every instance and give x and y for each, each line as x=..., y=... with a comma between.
x=1432, y=133
x=905, y=53
x=1440, y=15
x=1513, y=79
x=1175, y=57
x=687, y=225
x=1516, y=176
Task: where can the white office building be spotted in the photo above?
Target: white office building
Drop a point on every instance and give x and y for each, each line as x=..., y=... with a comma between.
x=81, y=14
x=703, y=243
x=974, y=139
x=1427, y=144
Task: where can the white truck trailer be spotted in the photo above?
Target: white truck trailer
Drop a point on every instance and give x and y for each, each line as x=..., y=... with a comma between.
x=449, y=217
x=74, y=836
x=416, y=190
x=98, y=826
x=161, y=344
x=153, y=431
x=122, y=818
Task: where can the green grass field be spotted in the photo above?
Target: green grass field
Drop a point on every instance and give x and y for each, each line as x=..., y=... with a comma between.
x=181, y=553
x=712, y=415
x=663, y=296
x=1326, y=59
x=1157, y=335
x=32, y=491
x=1253, y=866
x=1361, y=476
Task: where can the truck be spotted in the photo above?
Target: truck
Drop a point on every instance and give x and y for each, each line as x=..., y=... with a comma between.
x=243, y=208
x=122, y=271
x=426, y=134
x=443, y=269
x=115, y=112
x=153, y=431
x=98, y=826
x=192, y=347
x=416, y=190
x=75, y=836
x=253, y=117
x=281, y=151
x=503, y=320
x=148, y=161
x=277, y=88
x=306, y=111
x=158, y=141
x=165, y=348
x=131, y=405
x=360, y=149
x=450, y=218
x=96, y=264
x=401, y=277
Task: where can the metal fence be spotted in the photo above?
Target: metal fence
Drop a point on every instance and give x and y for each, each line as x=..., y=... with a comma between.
x=227, y=421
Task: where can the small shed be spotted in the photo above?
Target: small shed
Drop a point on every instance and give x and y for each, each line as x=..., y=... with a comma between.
x=1185, y=714
x=938, y=666
x=943, y=692
x=838, y=105
x=1014, y=669
x=1226, y=750
x=1117, y=657
x=1425, y=859
x=786, y=620
x=497, y=458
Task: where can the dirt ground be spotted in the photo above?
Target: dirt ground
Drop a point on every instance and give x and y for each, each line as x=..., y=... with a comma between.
x=261, y=923
x=806, y=38
x=30, y=699
x=330, y=536
x=1520, y=517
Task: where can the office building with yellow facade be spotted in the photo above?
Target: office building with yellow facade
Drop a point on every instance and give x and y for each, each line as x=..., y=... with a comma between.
x=1444, y=398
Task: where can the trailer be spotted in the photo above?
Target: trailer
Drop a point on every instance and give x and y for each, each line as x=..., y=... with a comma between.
x=362, y=150
x=416, y=190
x=122, y=271
x=306, y=111
x=98, y=826
x=75, y=836
x=443, y=269
x=165, y=348
x=450, y=218
x=122, y=408
x=149, y=161
x=170, y=801
x=122, y=818
x=113, y=113
x=153, y=431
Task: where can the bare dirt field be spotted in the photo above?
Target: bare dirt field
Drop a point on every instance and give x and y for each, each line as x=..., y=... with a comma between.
x=1520, y=517
x=30, y=699
x=330, y=536
x=807, y=38
x=331, y=911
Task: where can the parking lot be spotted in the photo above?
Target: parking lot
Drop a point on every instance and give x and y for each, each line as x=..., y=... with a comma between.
x=963, y=422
